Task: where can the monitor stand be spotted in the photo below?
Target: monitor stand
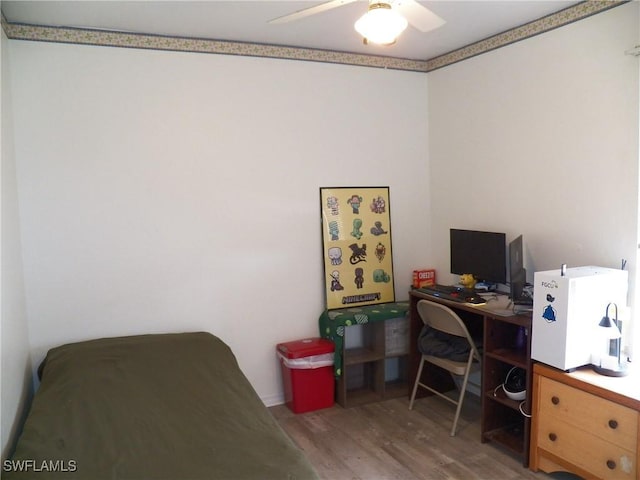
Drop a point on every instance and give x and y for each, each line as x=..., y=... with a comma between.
x=518, y=281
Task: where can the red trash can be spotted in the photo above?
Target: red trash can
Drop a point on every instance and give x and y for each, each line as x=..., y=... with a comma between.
x=307, y=374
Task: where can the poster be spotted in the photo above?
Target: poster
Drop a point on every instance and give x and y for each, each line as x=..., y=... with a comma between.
x=356, y=246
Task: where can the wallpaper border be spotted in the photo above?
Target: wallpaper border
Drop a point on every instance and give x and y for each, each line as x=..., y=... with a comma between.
x=80, y=36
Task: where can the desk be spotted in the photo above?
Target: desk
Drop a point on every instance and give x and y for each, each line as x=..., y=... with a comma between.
x=502, y=421
x=370, y=358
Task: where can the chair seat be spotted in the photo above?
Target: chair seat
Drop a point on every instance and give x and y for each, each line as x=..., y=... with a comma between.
x=457, y=368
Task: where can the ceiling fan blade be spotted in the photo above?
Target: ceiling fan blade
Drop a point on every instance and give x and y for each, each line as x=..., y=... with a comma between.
x=323, y=7
x=418, y=15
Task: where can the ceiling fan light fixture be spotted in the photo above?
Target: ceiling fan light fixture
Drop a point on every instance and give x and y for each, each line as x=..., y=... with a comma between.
x=381, y=24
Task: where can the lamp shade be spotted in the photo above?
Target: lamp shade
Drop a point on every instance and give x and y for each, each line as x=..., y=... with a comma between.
x=606, y=356
x=608, y=329
x=381, y=24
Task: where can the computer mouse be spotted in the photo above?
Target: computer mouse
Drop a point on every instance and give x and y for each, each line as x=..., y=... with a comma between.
x=475, y=299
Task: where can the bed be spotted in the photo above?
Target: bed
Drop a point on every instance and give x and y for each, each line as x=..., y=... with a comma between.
x=167, y=406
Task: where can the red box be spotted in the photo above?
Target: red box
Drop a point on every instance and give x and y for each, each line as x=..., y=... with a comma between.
x=424, y=278
x=307, y=374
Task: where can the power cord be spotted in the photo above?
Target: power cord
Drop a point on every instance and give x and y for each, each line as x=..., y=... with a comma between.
x=495, y=390
x=520, y=405
x=528, y=415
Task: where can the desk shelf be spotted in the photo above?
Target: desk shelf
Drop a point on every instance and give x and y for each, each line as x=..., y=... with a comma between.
x=511, y=356
x=498, y=395
x=509, y=436
x=505, y=347
x=355, y=356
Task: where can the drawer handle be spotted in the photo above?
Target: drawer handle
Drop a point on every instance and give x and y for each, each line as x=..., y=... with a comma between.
x=611, y=465
x=613, y=424
x=555, y=400
x=553, y=437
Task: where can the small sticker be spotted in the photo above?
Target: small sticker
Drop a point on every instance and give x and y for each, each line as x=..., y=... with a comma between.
x=626, y=464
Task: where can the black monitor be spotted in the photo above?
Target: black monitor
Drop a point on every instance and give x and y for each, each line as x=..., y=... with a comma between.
x=517, y=273
x=482, y=254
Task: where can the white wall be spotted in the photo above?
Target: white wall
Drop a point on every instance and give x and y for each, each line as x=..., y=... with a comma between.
x=164, y=191
x=540, y=138
x=636, y=330
x=15, y=352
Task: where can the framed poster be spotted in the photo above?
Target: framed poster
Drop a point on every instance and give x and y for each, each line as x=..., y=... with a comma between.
x=356, y=246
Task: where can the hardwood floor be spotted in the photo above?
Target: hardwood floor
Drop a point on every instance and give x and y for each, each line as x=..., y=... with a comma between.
x=386, y=440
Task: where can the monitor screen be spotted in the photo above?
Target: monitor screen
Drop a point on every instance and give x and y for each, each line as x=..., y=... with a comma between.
x=482, y=254
x=517, y=272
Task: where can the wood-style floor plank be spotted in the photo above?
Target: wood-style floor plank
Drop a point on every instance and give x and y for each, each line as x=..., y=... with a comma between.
x=386, y=440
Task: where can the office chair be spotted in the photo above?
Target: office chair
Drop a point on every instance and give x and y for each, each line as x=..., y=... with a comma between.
x=446, y=320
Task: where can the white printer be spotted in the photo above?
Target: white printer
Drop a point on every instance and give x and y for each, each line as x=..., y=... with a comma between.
x=568, y=304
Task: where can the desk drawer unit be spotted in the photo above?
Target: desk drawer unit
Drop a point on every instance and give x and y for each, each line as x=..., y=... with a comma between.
x=586, y=412
x=582, y=432
x=585, y=450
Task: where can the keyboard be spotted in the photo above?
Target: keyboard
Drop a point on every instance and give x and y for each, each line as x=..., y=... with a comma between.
x=453, y=293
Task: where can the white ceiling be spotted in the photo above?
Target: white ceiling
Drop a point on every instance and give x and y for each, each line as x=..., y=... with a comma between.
x=247, y=21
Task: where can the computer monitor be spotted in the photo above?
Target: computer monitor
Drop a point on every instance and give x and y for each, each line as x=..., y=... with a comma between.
x=482, y=254
x=517, y=273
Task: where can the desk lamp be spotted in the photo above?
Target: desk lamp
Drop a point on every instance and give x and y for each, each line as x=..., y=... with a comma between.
x=608, y=347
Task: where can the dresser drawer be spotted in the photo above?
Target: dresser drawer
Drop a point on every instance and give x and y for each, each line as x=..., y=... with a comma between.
x=601, y=418
x=585, y=450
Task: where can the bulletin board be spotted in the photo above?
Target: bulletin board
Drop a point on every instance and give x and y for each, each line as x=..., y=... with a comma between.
x=356, y=246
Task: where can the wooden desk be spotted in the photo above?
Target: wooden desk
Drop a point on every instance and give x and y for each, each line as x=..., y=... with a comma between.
x=586, y=423
x=502, y=420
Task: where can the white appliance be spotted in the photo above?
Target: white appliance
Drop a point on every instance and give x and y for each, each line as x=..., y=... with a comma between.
x=568, y=304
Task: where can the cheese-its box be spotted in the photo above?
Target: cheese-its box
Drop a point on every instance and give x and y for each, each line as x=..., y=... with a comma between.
x=424, y=278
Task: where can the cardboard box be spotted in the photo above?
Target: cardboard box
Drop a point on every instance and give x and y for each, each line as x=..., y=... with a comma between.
x=424, y=278
x=396, y=332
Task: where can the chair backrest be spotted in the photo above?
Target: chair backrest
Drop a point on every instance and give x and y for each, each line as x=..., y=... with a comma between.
x=442, y=318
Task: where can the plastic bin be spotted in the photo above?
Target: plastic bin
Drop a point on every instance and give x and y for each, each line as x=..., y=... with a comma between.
x=307, y=374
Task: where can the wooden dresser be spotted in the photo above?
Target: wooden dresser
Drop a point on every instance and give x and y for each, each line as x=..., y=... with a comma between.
x=585, y=423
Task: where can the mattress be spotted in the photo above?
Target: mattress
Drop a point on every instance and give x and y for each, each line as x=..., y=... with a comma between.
x=168, y=406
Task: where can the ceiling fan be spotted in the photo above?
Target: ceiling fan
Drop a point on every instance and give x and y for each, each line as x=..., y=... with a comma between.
x=384, y=20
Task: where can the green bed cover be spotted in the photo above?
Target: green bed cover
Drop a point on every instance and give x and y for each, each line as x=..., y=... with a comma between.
x=168, y=406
